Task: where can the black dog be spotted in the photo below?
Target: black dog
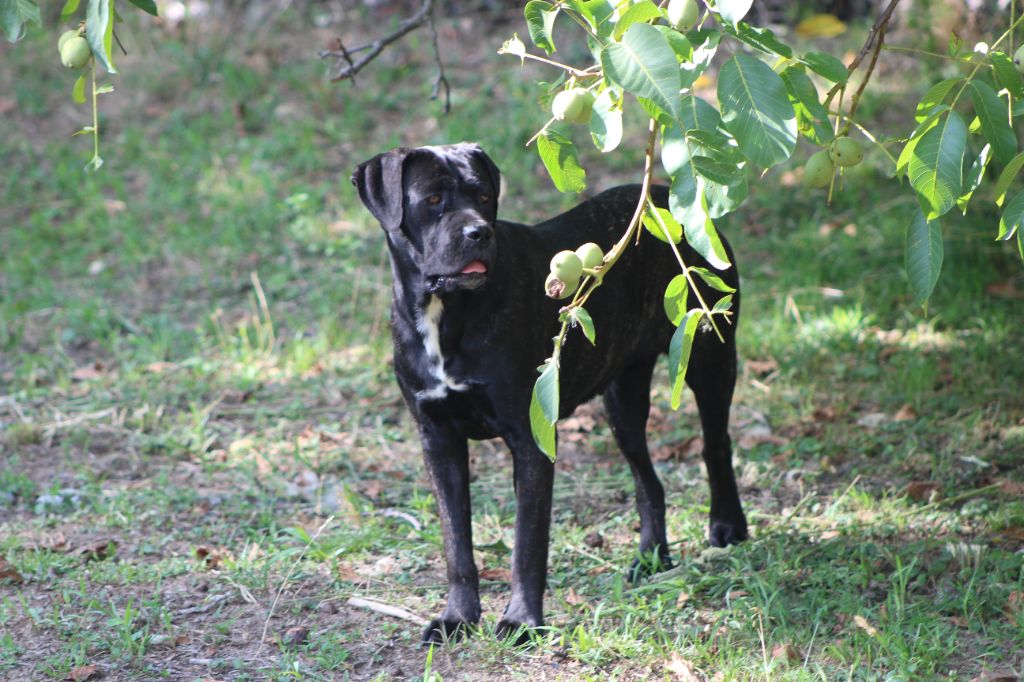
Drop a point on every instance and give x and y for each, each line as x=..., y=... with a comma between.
x=471, y=324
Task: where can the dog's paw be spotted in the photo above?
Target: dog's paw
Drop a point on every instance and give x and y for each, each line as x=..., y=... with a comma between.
x=647, y=564
x=441, y=631
x=722, y=533
x=515, y=632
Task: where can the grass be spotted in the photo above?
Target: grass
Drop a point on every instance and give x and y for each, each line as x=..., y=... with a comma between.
x=201, y=440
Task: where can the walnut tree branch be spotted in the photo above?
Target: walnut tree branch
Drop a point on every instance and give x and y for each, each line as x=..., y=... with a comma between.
x=345, y=67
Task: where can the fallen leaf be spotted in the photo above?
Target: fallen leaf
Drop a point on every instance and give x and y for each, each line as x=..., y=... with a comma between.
x=762, y=367
x=96, y=550
x=594, y=540
x=905, y=414
x=683, y=670
x=212, y=557
x=1000, y=676
x=573, y=597
x=8, y=572
x=88, y=372
x=502, y=574
x=160, y=367
x=787, y=652
x=83, y=672
x=296, y=636
x=752, y=440
x=873, y=420
x=863, y=624
x=820, y=26
x=7, y=105
x=733, y=595
x=922, y=491
x=1015, y=488
x=682, y=599
x=824, y=413
x=690, y=447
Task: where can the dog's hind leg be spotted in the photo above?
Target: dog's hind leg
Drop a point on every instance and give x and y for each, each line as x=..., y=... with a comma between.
x=447, y=460
x=711, y=376
x=628, y=401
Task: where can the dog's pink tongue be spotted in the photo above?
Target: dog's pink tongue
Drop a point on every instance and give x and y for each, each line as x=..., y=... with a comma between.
x=475, y=266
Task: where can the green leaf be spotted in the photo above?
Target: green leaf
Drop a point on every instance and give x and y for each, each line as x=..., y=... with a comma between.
x=733, y=10
x=678, y=42
x=936, y=166
x=696, y=114
x=826, y=65
x=924, y=256
x=70, y=7
x=761, y=38
x=679, y=353
x=994, y=126
x=14, y=14
x=559, y=156
x=1012, y=217
x=676, y=294
x=685, y=196
x=705, y=240
x=540, y=20
x=722, y=305
x=148, y=6
x=974, y=176
x=935, y=96
x=579, y=315
x=78, y=91
x=717, y=171
x=645, y=65
x=924, y=126
x=756, y=110
x=713, y=280
x=667, y=222
x=544, y=409
x=722, y=199
x=99, y=31
x=514, y=46
x=705, y=46
x=811, y=115
x=1006, y=74
x=1007, y=177
x=642, y=12
x=606, y=121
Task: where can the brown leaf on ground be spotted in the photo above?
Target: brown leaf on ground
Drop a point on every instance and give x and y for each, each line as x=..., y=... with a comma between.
x=7, y=105
x=994, y=676
x=96, y=550
x=1015, y=488
x=754, y=439
x=594, y=540
x=921, y=491
x=691, y=447
x=905, y=414
x=296, y=636
x=787, y=652
x=502, y=574
x=682, y=599
x=1012, y=533
x=84, y=672
x=824, y=413
x=1005, y=289
x=762, y=367
x=8, y=572
x=88, y=372
x=1014, y=604
x=683, y=670
x=863, y=624
x=573, y=597
x=212, y=557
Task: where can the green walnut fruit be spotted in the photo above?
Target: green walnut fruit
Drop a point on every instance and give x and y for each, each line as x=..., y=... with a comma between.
x=567, y=266
x=591, y=255
x=558, y=288
x=573, y=105
x=65, y=37
x=682, y=14
x=818, y=170
x=1018, y=59
x=76, y=53
x=845, y=152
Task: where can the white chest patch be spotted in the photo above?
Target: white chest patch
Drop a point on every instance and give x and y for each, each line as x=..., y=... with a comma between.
x=429, y=324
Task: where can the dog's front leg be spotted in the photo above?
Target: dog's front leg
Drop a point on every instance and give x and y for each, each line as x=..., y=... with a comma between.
x=533, y=478
x=447, y=459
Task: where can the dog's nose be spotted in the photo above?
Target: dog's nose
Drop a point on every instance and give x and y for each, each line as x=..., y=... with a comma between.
x=479, y=232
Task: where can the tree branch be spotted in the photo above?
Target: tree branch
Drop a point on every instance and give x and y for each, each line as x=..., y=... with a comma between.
x=878, y=28
x=345, y=67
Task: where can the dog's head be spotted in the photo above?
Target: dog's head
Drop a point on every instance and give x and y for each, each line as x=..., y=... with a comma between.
x=438, y=206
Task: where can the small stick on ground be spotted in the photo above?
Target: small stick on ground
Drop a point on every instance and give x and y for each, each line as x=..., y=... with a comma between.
x=386, y=609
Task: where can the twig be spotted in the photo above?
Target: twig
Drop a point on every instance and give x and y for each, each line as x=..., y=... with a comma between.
x=386, y=609
x=344, y=67
x=284, y=583
x=880, y=24
x=855, y=102
x=439, y=80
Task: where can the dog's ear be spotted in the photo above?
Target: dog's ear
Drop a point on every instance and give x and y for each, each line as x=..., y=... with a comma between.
x=492, y=170
x=379, y=182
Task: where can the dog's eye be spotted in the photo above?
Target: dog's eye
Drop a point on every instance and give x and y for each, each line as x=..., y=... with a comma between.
x=484, y=197
x=434, y=199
